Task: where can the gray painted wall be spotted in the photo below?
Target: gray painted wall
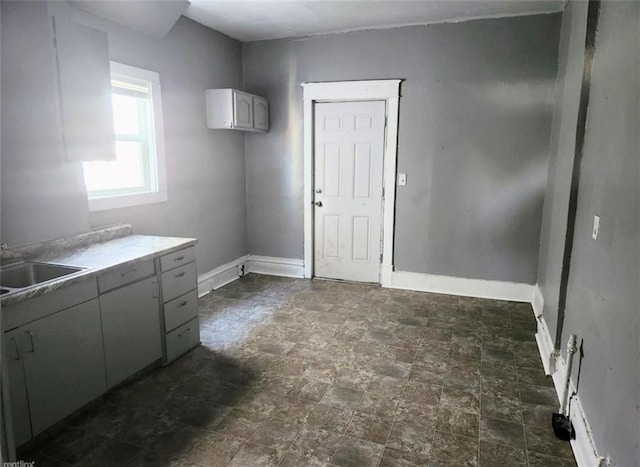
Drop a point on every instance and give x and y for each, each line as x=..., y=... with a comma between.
x=603, y=297
x=475, y=117
x=561, y=155
x=206, y=182
x=205, y=168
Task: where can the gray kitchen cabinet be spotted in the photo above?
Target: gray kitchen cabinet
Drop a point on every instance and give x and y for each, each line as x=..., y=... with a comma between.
x=179, y=281
x=17, y=389
x=63, y=361
x=131, y=329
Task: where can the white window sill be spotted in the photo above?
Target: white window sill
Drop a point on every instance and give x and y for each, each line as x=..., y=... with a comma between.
x=125, y=201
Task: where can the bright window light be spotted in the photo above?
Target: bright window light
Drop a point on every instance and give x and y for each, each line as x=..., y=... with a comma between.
x=137, y=176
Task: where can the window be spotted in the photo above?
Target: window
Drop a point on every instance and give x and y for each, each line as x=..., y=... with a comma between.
x=137, y=176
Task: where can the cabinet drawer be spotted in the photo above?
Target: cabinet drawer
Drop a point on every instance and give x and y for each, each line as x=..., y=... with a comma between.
x=180, y=310
x=48, y=303
x=177, y=258
x=183, y=339
x=125, y=275
x=178, y=281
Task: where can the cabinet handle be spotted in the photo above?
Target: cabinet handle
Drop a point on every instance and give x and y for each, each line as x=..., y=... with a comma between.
x=183, y=303
x=128, y=272
x=185, y=332
x=179, y=258
x=180, y=274
x=33, y=348
x=16, y=348
x=156, y=293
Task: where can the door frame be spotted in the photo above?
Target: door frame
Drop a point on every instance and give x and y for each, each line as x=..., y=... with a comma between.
x=387, y=90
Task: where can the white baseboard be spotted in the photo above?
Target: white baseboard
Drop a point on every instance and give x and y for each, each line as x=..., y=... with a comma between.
x=220, y=276
x=546, y=345
x=538, y=300
x=286, y=267
x=583, y=446
x=497, y=290
x=229, y=272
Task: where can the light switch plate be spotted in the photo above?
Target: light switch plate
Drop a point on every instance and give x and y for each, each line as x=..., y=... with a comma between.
x=596, y=227
x=402, y=179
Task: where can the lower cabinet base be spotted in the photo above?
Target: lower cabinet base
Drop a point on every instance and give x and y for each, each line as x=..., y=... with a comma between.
x=181, y=340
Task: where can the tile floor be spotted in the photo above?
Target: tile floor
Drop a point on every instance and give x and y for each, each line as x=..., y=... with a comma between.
x=313, y=373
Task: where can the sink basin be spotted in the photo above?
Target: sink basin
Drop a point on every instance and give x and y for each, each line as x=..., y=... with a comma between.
x=29, y=273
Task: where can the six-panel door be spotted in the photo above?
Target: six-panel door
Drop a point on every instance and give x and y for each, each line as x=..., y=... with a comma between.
x=349, y=140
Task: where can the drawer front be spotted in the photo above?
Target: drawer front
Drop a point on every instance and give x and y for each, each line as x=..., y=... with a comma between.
x=183, y=339
x=177, y=258
x=179, y=281
x=48, y=303
x=125, y=275
x=180, y=310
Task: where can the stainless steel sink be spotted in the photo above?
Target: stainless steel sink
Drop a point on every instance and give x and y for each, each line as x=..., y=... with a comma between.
x=30, y=273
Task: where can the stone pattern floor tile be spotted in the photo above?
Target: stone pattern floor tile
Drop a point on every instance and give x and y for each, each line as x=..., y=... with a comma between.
x=296, y=372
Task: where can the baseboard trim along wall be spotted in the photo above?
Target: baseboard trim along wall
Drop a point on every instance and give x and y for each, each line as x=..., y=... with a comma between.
x=497, y=290
x=231, y=271
x=583, y=446
x=543, y=336
x=538, y=300
x=286, y=267
x=222, y=275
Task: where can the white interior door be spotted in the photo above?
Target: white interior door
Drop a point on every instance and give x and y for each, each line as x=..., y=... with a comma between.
x=349, y=146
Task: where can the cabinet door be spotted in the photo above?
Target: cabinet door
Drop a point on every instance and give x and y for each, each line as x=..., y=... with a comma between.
x=260, y=113
x=31, y=127
x=12, y=359
x=63, y=363
x=131, y=329
x=85, y=90
x=242, y=110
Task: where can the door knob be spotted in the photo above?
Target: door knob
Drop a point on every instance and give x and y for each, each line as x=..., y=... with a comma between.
x=318, y=203
x=318, y=190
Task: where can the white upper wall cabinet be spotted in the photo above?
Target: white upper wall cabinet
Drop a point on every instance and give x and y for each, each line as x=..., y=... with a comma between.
x=85, y=91
x=236, y=110
x=31, y=124
x=56, y=89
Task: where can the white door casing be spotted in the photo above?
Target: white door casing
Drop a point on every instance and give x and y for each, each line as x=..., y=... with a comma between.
x=387, y=90
x=349, y=147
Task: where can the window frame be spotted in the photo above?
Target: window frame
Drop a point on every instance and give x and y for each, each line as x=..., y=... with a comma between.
x=115, y=200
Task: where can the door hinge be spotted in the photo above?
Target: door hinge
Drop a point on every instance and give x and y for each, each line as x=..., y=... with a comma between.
x=385, y=121
x=380, y=258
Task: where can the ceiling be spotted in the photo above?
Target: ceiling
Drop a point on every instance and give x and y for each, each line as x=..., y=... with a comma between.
x=272, y=19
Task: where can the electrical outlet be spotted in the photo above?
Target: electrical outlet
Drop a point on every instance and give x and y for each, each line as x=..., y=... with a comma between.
x=596, y=227
x=402, y=179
